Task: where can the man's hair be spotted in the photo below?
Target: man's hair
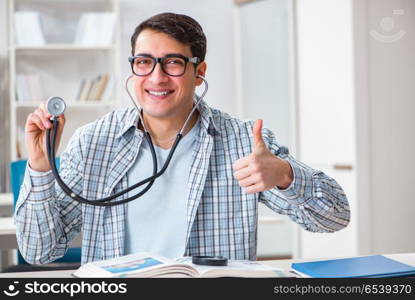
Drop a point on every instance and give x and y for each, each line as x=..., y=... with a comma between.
x=180, y=27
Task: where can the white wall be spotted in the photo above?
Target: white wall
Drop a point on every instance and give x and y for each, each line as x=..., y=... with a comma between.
x=385, y=72
x=216, y=18
x=265, y=68
x=326, y=111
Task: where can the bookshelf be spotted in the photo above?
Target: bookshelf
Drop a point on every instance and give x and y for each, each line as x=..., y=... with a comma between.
x=51, y=54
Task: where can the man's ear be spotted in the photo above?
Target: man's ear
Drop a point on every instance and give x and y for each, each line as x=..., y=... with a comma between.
x=200, y=71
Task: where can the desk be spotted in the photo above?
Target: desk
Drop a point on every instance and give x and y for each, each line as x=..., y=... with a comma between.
x=6, y=204
x=6, y=199
x=8, y=241
x=406, y=258
x=7, y=234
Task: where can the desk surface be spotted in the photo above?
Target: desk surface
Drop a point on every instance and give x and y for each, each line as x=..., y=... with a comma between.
x=6, y=199
x=7, y=226
x=407, y=258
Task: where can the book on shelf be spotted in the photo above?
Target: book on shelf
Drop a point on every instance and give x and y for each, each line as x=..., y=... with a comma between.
x=80, y=89
x=92, y=95
x=99, y=84
x=95, y=29
x=108, y=92
x=144, y=264
x=21, y=88
x=28, y=28
x=86, y=87
x=100, y=88
x=28, y=88
x=95, y=89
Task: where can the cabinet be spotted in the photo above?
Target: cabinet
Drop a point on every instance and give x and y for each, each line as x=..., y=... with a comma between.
x=59, y=65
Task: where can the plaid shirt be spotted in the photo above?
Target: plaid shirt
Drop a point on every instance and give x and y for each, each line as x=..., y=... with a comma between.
x=222, y=219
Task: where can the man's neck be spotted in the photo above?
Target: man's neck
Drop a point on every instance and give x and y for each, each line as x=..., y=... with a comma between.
x=164, y=131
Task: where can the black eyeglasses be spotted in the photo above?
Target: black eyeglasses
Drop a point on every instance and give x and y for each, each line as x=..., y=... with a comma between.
x=171, y=64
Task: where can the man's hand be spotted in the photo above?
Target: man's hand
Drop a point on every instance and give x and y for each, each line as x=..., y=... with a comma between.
x=35, y=133
x=262, y=170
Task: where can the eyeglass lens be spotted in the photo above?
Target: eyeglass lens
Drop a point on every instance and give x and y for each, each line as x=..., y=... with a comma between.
x=174, y=66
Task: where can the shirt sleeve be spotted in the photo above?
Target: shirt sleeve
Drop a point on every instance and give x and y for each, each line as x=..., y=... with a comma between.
x=46, y=218
x=313, y=200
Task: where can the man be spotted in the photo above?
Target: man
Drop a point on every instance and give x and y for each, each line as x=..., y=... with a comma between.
x=207, y=201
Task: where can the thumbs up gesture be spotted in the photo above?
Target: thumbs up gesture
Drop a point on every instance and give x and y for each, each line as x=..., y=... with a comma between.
x=262, y=170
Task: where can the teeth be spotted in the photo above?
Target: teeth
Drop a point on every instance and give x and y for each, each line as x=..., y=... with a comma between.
x=158, y=93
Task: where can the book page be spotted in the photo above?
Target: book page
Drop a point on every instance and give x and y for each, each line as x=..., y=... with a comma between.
x=135, y=265
x=123, y=266
x=237, y=268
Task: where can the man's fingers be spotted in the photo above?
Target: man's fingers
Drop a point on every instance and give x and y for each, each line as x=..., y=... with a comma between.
x=36, y=120
x=40, y=113
x=242, y=173
x=248, y=181
x=42, y=106
x=259, y=143
x=241, y=163
x=256, y=188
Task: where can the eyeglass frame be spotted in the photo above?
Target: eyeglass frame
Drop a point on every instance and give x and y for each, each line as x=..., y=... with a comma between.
x=194, y=60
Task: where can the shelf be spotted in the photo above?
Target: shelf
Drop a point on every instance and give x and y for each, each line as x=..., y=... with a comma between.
x=63, y=47
x=59, y=66
x=69, y=104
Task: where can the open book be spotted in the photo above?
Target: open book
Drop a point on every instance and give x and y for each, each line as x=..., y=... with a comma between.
x=147, y=265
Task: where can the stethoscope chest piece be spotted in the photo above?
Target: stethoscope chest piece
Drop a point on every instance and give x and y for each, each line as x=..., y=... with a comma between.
x=210, y=260
x=56, y=106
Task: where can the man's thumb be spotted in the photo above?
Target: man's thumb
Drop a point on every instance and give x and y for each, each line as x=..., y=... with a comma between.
x=257, y=133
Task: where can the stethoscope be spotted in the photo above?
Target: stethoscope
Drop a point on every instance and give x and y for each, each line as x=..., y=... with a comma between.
x=56, y=107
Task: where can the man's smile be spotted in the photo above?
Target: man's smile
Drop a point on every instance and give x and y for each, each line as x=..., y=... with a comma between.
x=159, y=94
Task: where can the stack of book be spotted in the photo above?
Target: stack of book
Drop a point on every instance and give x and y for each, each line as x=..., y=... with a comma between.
x=28, y=29
x=28, y=88
x=96, y=89
x=95, y=29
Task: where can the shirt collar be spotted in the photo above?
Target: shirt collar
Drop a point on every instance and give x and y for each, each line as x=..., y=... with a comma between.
x=207, y=121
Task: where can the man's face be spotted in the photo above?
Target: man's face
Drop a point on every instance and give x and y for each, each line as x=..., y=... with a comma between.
x=162, y=96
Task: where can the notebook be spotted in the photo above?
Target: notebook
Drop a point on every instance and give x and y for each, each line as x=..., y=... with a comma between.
x=366, y=266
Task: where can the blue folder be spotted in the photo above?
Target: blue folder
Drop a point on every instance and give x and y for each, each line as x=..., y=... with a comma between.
x=366, y=266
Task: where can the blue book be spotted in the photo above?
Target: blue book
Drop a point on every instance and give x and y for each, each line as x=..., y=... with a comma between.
x=366, y=266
